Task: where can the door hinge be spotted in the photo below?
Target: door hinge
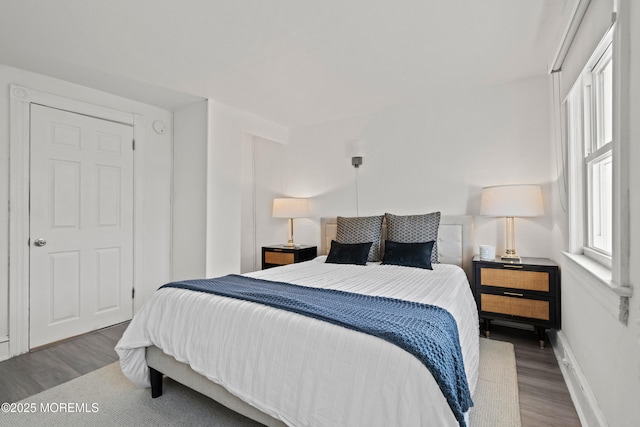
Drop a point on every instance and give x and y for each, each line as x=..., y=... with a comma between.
x=133, y=293
x=133, y=144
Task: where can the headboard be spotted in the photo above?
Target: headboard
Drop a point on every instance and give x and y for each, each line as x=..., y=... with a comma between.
x=455, y=239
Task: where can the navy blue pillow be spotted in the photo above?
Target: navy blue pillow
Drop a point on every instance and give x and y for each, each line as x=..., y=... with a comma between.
x=349, y=253
x=408, y=254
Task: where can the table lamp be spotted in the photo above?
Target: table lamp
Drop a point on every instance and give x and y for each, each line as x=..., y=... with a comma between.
x=511, y=201
x=290, y=208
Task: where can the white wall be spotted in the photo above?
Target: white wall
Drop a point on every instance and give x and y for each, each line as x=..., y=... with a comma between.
x=264, y=177
x=226, y=154
x=602, y=355
x=433, y=155
x=214, y=188
x=154, y=173
x=189, y=200
x=629, y=371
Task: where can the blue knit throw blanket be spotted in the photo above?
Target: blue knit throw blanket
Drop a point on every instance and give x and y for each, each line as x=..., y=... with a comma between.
x=428, y=332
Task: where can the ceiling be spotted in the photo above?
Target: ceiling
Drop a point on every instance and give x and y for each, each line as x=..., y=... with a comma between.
x=294, y=62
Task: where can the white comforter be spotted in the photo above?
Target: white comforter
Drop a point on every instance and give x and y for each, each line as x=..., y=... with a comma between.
x=300, y=370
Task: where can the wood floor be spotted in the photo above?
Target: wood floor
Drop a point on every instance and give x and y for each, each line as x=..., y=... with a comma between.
x=544, y=398
x=42, y=369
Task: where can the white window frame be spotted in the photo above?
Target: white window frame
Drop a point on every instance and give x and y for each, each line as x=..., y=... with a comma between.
x=583, y=109
x=616, y=288
x=597, y=148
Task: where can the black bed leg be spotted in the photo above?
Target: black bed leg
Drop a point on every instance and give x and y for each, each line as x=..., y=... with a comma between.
x=156, y=382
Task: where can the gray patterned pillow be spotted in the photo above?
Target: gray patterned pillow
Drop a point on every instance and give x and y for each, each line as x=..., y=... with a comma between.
x=361, y=229
x=414, y=229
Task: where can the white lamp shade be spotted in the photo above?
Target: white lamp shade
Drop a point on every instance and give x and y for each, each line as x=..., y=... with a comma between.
x=290, y=208
x=512, y=201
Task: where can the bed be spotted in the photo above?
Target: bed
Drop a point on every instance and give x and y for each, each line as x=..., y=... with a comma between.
x=280, y=368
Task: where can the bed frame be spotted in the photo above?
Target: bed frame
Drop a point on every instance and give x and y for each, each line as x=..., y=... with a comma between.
x=455, y=246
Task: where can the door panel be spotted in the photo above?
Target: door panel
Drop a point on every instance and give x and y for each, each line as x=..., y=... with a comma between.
x=81, y=203
x=108, y=274
x=108, y=196
x=64, y=288
x=64, y=182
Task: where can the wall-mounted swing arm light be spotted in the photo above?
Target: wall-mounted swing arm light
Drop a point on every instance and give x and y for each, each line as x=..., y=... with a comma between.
x=356, y=161
x=355, y=150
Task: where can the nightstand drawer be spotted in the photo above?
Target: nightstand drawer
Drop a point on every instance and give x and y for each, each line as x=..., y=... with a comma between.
x=280, y=258
x=515, y=279
x=520, y=307
x=277, y=255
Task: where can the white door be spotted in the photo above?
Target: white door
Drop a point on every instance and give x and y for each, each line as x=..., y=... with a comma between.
x=81, y=224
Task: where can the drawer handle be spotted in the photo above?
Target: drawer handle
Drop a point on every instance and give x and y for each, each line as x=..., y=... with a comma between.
x=514, y=294
x=511, y=266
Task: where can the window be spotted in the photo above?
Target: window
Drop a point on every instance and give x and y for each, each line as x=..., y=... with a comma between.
x=598, y=156
x=590, y=135
x=594, y=122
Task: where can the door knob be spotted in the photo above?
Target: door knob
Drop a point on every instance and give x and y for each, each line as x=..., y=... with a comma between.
x=40, y=242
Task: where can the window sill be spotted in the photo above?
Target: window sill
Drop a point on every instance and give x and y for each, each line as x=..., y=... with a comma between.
x=595, y=280
x=599, y=272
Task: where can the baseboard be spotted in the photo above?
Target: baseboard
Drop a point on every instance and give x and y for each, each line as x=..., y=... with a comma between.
x=4, y=349
x=583, y=398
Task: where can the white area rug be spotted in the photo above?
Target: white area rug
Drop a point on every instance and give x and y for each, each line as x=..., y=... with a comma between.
x=106, y=398
x=496, y=402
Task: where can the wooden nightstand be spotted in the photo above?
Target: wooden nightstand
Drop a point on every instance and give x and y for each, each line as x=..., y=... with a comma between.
x=527, y=291
x=275, y=255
